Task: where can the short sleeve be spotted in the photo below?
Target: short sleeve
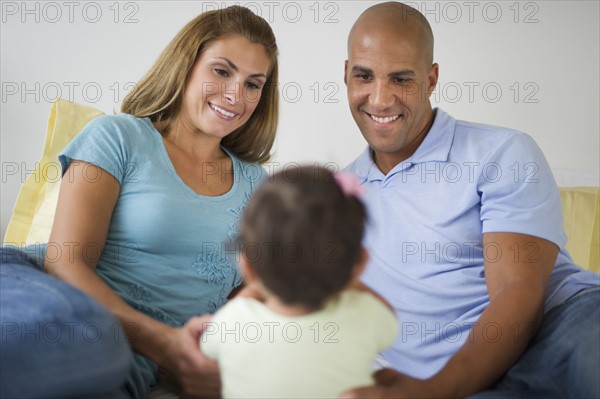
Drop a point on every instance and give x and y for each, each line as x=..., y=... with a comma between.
x=386, y=324
x=377, y=317
x=103, y=142
x=518, y=191
x=210, y=339
x=209, y=346
x=215, y=334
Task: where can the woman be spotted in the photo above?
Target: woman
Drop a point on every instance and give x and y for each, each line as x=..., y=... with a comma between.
x=150, y=197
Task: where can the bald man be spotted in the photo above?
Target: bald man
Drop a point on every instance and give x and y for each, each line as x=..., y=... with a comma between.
x=465, y=240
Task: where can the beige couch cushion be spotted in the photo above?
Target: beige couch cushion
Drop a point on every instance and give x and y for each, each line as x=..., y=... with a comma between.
x=581, y=212
x=34, y=209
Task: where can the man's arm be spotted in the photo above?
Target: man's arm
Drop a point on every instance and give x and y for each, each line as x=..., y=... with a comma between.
x=517, y=270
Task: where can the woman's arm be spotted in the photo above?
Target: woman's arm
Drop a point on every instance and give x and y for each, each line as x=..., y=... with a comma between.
x=81, y=224
x=78, y=234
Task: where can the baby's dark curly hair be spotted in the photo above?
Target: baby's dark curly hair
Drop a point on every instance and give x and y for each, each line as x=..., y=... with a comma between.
x=302, y=235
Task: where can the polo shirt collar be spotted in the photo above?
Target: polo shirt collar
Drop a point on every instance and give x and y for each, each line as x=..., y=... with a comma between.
x=435, y=147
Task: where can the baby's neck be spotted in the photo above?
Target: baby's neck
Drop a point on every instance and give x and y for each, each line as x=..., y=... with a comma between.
x=287, y=310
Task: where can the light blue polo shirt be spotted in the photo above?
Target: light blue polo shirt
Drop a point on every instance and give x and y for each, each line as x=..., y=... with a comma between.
x=426, y=219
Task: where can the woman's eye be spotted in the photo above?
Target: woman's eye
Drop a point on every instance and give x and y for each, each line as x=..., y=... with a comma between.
x=221, y=72
x=252, y=86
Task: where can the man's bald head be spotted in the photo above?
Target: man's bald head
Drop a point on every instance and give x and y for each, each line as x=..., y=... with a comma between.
x=390, y=76
x=397, y=20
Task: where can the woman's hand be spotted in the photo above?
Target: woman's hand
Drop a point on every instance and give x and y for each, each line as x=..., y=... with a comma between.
x=186, y=367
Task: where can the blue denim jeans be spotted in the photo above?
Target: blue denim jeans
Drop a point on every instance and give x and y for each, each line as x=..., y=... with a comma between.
x=563, y=360
x=56, y=341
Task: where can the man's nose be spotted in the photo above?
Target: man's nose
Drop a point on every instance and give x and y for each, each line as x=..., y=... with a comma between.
x=382, y=96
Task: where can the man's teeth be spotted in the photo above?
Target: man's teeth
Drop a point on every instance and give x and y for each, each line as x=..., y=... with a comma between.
x=387, y=119
x=222, y=111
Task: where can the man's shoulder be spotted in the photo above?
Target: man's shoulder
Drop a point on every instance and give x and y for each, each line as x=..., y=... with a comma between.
x=352, y=167
x=361, y=164
x=475, y=138
x=478, y=131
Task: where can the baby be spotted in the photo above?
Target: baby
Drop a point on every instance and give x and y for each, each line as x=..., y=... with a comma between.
x=304, y=326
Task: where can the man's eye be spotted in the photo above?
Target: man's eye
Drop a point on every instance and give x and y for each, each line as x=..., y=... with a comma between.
x=363, y=76
x=403, y=80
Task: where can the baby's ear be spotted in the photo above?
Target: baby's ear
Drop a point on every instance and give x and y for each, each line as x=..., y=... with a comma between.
x=361, y=263
x=248, y=271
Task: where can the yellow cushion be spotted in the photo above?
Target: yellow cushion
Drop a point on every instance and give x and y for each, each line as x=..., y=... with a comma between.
x=581, y=212
x=34, y=209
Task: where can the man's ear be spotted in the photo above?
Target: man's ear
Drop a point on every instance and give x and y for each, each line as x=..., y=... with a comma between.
x=433, y=78
x=346, y=72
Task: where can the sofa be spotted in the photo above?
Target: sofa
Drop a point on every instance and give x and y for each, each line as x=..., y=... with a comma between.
x=33, y=213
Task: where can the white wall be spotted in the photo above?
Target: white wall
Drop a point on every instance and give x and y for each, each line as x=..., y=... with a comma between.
x=543, y=56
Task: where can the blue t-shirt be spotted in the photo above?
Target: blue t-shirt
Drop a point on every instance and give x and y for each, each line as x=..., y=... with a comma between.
x=425, y=233
x=168, y=251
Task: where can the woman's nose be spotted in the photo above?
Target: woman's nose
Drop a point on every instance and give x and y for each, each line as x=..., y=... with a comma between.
x=233, y=92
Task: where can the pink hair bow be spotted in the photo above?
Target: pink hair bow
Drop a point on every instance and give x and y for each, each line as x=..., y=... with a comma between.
x=349, y=184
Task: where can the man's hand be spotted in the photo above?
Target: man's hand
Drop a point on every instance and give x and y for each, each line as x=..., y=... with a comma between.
x=195, y=375
x=393, y=385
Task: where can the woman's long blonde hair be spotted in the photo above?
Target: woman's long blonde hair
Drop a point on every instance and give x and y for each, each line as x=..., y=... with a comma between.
x=159, y=95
